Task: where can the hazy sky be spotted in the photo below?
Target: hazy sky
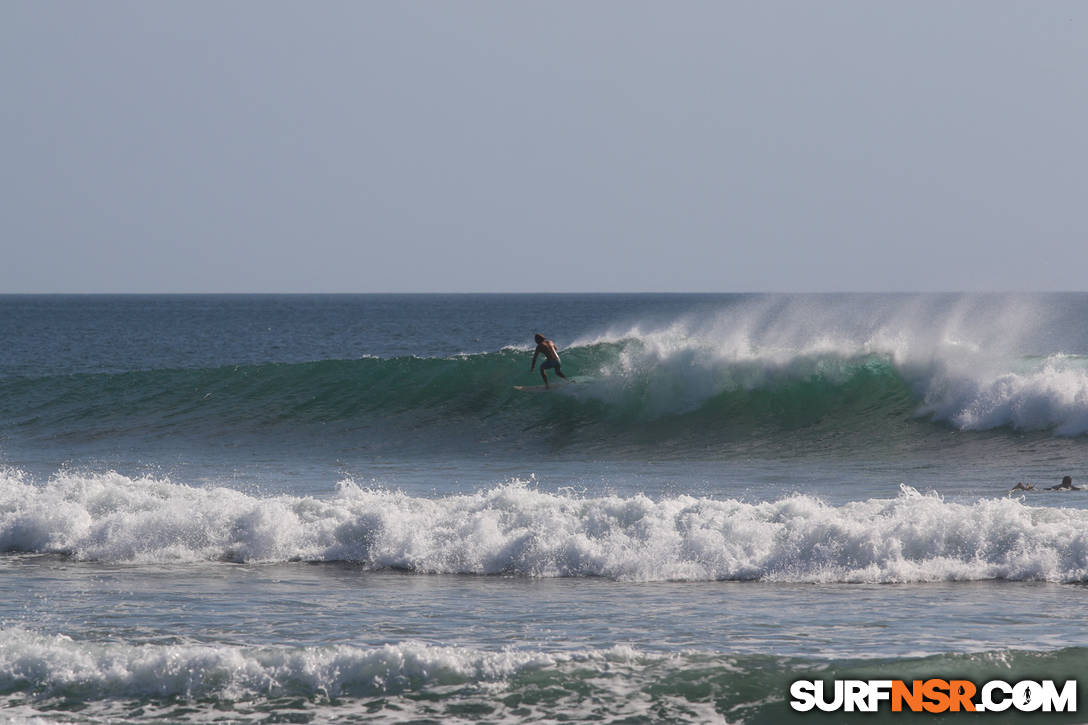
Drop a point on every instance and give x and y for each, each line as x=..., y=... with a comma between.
x=551, y=146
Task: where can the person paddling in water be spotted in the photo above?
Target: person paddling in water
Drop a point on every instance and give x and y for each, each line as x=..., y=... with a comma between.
x=1065, y=485
x=551, y=361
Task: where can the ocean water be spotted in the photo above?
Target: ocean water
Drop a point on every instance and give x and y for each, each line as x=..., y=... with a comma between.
x=339, y=509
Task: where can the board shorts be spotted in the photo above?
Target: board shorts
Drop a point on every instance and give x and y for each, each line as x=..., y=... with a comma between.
x=549, y=365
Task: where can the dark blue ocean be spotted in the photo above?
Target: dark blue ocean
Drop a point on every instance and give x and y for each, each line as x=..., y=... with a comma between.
x=294, y=508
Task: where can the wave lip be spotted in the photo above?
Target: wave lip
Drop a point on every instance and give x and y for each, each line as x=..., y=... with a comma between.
x=515, y=529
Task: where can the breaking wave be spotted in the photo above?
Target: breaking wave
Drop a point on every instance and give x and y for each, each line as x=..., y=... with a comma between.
x=515, y=529
x=52, y=674
x=754, y=369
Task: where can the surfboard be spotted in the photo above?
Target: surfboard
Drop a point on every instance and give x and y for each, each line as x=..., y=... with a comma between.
x=534, y=388
x=556, y=385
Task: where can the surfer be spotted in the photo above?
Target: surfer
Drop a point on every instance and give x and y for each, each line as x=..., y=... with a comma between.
x=1023, y=487
x=1065, y=485
x=551, y=355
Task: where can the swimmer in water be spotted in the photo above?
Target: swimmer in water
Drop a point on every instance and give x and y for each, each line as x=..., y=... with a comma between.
x=1065, y=485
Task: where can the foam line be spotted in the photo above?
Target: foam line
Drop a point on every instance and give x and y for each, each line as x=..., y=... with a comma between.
x=515, y=529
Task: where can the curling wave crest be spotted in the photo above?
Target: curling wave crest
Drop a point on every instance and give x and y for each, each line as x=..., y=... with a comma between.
x=975, y=363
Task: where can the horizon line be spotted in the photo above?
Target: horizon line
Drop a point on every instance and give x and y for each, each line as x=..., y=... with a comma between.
x=543, y=292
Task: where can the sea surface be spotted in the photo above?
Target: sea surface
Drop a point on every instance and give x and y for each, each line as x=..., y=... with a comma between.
x=293, y=508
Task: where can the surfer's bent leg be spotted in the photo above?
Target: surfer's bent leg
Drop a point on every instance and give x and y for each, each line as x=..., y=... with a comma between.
x=552, y=365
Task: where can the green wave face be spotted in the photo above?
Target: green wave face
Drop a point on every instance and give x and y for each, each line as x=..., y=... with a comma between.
x=622, y=397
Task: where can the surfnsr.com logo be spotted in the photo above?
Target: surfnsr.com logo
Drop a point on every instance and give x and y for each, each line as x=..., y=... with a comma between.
x=934, y=695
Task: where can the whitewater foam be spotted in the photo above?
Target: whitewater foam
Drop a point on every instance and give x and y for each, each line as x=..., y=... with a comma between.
x=42, y=673
x=110, y=679
x=516, y=529
x=972, y=362
x=1052, y=395
x=58, y=665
